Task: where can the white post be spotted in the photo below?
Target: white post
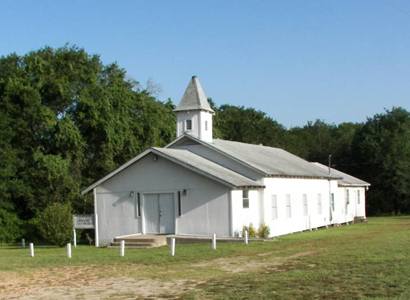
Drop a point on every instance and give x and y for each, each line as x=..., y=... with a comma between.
x=31, y=249
x=246, y=237
x=122, y=248
x=214, y=241
x=69, y=250
x=74, y=238
x=23, y=243
x=172, y=246
x=97, y=240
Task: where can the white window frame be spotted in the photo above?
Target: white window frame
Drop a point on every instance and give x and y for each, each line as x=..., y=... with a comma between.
x=274, y=203
x=245, y=199
x=288, y=206
x=319, y=204
x=332, y=201
x=347, y=200
x=186, y=125
x=305, y=205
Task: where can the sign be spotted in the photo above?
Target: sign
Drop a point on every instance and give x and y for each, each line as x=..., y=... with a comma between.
x=83, y=221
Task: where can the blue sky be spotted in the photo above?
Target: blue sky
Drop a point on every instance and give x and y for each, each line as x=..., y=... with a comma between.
x=296, y=60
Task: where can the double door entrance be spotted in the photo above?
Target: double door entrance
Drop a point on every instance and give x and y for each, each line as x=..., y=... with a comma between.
x=159, y=213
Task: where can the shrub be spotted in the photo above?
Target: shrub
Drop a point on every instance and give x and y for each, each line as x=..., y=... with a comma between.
x=251, y=231
x=263, y=231
x=10, y=226
x=55, y=223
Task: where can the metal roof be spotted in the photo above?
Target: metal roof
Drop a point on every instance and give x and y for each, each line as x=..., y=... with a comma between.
x=194, y=98
x=346, y=179
x=190, y=161
x=272, y=161
x=205, y=166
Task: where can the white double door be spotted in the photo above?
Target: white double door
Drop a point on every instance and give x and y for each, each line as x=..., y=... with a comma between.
x=159, y=213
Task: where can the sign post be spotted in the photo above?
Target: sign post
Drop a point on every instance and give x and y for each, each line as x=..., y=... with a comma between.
x=82, y=222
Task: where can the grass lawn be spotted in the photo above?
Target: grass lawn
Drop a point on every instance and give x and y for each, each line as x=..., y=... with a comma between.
x=359, y=261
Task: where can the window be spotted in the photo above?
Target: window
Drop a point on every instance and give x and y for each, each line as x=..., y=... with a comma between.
x=188, y=125
x=288, y=206
x=274, y=207
x=305, y=205
x=138, y=206
x=319, y=204
x=332, y=201
x=347, y=200
x=245, y=198
x=206, y=125
x=179, y=204
x=358, y=196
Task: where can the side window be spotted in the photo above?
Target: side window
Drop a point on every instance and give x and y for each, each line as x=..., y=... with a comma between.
x=188, y=125
x=332, y=201
x=358, y=196
x=288, y=206
x=274, y=207
x=138, y=206
x=305, y=204
x=206, y=125
x=245, y=198
x=347, y=201
x=319, y=204
x=179, y=204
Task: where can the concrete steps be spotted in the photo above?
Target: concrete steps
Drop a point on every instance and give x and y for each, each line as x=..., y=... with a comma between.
x=140, y=241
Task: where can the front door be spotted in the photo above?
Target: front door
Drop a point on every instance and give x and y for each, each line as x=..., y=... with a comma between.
x=159, y=213
x=166, y=213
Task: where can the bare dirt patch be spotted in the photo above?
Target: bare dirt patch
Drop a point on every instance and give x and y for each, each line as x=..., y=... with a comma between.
x=86, y=283
x=239, y=264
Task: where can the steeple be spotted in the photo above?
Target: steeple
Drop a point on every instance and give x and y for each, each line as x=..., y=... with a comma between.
x=194, y=114
x=194, y=98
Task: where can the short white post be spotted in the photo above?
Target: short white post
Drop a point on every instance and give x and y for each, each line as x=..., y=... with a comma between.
x=172, y=247
x=74, y=238
x=246, y=237
x=23, y=243
x=214, y=241
x=69, y=250
x=31, y=249
x=122, y=248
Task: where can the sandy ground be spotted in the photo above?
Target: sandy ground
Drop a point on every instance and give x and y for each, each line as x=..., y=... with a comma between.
x=93, y=282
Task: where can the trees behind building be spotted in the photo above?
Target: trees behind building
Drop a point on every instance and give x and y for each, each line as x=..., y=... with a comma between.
x=67, y=119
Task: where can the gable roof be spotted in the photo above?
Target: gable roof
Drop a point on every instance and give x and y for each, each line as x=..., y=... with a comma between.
x=194, y=98
x=269, y=161
x=190, y=161
x=205, y=166
x=346, y=179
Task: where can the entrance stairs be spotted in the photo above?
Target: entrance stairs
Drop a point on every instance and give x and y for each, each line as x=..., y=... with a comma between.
x=140, y=241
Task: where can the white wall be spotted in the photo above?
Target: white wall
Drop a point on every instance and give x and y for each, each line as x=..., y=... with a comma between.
x=296, y=188
x=199, y=128
x=245, y=216
x=205, y=208
x=346, y=213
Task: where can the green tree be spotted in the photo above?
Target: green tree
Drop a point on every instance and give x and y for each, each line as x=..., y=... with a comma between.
x=381, y=151
x=67, y=119
x=55, y=223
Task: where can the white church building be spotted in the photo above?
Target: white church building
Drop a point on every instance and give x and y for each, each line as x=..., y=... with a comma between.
x=198, y=185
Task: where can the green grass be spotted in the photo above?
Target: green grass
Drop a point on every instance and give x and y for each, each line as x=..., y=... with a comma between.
x=360, y=261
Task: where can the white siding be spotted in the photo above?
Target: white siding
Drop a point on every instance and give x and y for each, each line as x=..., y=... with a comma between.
x=205, y=208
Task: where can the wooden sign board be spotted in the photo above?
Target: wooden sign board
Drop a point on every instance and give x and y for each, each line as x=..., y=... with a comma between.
x=83, y=221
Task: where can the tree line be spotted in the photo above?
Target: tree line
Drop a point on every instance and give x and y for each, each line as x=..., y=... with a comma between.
x=67, y=119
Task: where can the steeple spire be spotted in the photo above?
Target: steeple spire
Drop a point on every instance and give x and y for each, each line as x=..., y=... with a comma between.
x=194, y=97
x=194, y=114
